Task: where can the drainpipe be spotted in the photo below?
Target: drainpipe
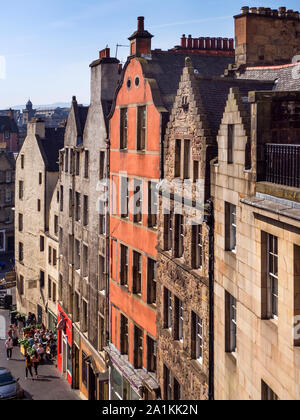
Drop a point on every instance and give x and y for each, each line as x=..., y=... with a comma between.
x=107, y=236
x=210, y=224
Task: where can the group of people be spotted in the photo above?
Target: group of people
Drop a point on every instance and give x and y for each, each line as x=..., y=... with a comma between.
x=41, y=343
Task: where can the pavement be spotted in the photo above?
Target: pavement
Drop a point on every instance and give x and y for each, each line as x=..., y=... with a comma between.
x=49, y=386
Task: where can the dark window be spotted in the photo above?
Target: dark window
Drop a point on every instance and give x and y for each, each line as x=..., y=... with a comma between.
x=77, y=164
x=167, y=384
x=138, y=202
x=20, y=222
x=168, y=309
x=84, y=369
x=101, y=273
x=102, y=166
x=230, y=227
x=151, y=354
x=39, y=205
x=124, y=266
x=152, y=204
x=152, y=281
x=55, y=225
x=124, y=197
x=138, y=348
x=22, y=161
x=123, y=128
x=230, y=323
x=179, y=319
x=137, y=273
x=21, y=190
x=42, y=279
x=21, y=286
x=197, y=338
x=177, y=158
x=42, y=243
x=230, y=143
x=85, y=210
x=102, y=218
x=197, y=246
x=40, y=178
x=77, y=207
x=187, y=159
x=86, y=164
x=177, y=390
x=61, y=198
x=101, y=334
x=124, y=335
x=168, y=232
x=21, y=252
x=179, y=235
x=141, y=127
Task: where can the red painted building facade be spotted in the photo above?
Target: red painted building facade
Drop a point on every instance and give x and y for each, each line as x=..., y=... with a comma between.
x=138, y=120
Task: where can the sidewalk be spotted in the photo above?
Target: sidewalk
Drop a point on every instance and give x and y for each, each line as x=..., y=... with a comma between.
x=49, y=386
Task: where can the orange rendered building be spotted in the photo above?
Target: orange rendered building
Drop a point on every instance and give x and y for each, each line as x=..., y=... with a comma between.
x=138, y=120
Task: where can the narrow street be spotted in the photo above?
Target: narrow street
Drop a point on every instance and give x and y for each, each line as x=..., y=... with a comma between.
x=49, y=386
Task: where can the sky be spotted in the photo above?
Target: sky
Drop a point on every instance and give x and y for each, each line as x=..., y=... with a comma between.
x=46, y=47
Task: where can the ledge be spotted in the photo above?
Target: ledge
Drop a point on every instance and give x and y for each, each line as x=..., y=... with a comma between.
x=280, y=191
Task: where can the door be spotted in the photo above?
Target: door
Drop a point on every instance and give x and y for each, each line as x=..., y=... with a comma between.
x=76, y=367
x=92, y=385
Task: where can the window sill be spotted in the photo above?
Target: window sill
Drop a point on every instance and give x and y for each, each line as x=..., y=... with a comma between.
x=232, y=356
x=272, y=323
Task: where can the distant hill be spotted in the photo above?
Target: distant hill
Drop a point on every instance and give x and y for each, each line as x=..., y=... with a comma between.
x=56, y=105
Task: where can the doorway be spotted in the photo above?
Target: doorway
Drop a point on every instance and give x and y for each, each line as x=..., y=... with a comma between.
x=92, y=385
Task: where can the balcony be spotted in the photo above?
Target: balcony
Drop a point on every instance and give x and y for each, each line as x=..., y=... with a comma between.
x=283, y=164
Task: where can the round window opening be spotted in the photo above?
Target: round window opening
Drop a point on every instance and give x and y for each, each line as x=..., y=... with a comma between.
x=129, y=83
x=137, y=81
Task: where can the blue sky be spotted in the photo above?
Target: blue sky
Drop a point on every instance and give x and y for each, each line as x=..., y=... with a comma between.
x=48, y=46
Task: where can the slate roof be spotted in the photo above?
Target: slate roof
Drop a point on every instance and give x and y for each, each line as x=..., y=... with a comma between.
x=50, y=146
x=8, y=124
x=166, y=68
x=214, y=94
x=288, y=76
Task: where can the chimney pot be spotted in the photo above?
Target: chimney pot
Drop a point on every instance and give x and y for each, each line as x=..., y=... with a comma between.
x=219, y=43
x=196, y=43
x=201, y=43
x=141, y=21
x=207, y=43
x=245, y=10
x=253, y=10
x=261, y=10
x=225, y=43
x=281, y=11
x=231, y=44
x=74, y=98
x=183, y=41
x=104, y=53
x=213, y=42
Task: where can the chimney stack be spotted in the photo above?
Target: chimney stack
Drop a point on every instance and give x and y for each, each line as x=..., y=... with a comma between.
x=266, y=37
x=36, y=127
x=140, y=40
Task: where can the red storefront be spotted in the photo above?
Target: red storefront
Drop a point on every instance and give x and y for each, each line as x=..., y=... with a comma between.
x=64, y=344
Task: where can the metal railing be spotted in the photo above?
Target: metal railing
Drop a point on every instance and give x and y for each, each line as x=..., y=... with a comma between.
x=283, y=164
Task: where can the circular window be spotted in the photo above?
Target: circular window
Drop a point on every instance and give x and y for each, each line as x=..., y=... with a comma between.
x=137, y=81
x=128, y=83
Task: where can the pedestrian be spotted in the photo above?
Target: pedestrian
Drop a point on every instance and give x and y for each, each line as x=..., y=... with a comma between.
x=29, y=319
x=20, y=324
x=41, y=352
x=15, y=335
x=9, y=347
x=35, y=359
x=28, y=366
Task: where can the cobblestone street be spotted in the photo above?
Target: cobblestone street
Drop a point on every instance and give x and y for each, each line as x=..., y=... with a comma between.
x=49, y=386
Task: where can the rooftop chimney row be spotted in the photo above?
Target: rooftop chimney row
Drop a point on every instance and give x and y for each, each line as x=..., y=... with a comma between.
x=208, y=43
x=266, y=11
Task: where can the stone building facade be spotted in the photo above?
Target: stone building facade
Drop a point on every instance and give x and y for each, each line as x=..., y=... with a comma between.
x=9, y=134
x=257, y=240
x=36, y=178
x=7, y=201
x=83, y=237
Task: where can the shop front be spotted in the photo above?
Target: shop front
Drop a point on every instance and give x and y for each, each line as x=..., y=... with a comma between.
x=64, y=345
x=52, y=321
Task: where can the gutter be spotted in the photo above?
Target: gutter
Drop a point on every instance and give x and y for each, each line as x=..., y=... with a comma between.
x=210, y=224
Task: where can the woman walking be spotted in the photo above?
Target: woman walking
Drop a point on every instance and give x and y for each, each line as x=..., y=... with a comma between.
x=35, y=359
x=9, y=347
x=28, y=365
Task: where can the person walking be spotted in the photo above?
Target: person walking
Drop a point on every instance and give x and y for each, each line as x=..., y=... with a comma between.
x=28, y=366
x=9, y=347
x=35, y=359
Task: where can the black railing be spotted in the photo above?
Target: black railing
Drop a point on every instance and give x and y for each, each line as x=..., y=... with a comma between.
x=283, y=164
